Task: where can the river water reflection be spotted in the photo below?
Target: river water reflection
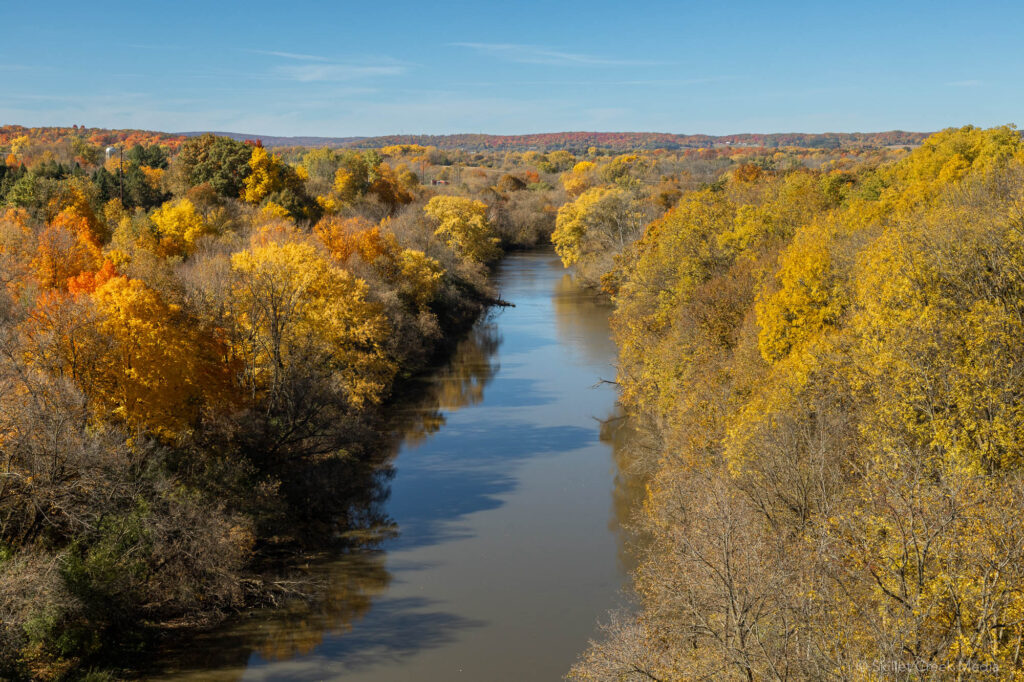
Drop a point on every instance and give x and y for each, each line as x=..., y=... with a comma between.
x=507, y=504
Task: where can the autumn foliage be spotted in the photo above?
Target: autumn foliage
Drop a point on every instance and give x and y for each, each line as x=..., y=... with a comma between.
x=199, y=337
x=830, y=363
x=193, y=354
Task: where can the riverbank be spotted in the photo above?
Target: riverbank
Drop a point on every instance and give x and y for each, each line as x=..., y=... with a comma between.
x=174, y=443
x=505, y=499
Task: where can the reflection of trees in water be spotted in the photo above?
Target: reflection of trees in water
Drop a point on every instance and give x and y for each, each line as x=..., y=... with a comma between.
x=346, y=588
x=333, y=594
x=581, y=321
x=628, y=441
x=459, y=384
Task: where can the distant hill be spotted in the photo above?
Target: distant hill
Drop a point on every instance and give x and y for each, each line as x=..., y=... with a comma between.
x=581, y=141
x=572, y=141
x=283, y=141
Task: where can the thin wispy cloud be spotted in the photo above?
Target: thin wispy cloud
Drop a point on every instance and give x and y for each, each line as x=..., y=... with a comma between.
x=679, y=81
x=668, y=82
x=110, y=97
x=291, y=55
x=310, y=73
x=151, y=46
x=965, y=84
x=268, y=53
x=534, y=54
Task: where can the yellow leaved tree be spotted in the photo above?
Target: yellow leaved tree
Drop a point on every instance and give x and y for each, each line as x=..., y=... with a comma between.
x=265, y=176
x=292, y=306
x=462, y=223
x=178, y=225
x=137, y=359
x=809, y=299
x=598, y=224
x=160, y=369
x=582, y=177
x=421, y=277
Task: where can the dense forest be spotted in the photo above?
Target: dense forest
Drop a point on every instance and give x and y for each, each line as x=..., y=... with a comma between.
x=198, y=341
x=819, y=337
x=826, y=367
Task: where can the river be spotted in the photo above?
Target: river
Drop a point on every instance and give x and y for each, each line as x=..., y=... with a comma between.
x=506, y=501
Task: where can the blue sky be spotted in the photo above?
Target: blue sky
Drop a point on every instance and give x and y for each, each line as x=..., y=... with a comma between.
x=446, y=66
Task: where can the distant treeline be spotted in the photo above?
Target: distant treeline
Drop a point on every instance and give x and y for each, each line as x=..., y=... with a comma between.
x=571, y=141
x=17, y=136
x=581, y=141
